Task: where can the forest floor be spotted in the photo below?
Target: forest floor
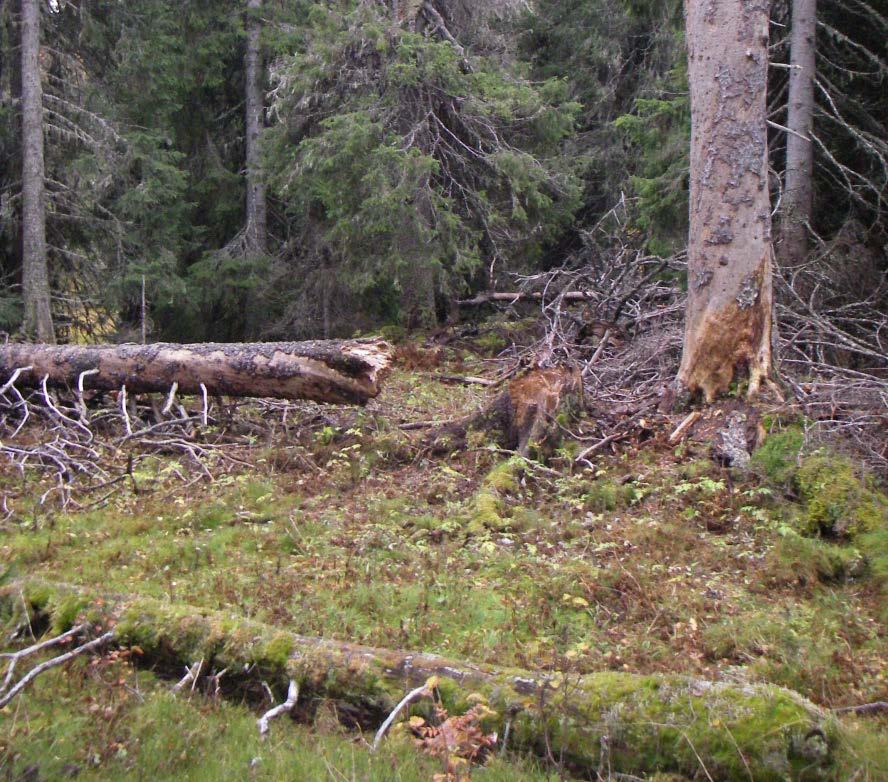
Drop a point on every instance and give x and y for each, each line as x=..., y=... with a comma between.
x=336, y=523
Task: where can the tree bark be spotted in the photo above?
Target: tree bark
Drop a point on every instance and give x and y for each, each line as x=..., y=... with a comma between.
x=37, y=321
x=336, y=372
x=728, y=316
x=798, y=198
x=620, y=722
x=257, y=221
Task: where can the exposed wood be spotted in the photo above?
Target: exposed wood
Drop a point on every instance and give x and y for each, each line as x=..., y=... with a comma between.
x=465, y=380
x=521, y=418
x=865, y=709
x=284, y=708
x=411, y=697
x=324, y=371
x=730, y=295
x=595, y=447
x=683, y=427
x=649, y=723
x=30, y=676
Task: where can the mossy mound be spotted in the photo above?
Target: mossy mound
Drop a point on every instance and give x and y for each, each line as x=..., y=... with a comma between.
x=838, y=502
x=644, y=724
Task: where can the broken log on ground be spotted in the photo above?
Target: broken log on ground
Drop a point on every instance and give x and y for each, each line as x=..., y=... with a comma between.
x=338, y=372
x=623, y=722
x=524, y=417
x=491, y=297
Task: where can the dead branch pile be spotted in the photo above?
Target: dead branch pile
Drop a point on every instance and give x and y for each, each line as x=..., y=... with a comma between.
x=616, y=313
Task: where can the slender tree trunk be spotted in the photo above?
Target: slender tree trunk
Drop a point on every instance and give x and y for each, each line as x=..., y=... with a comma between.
x=35, y=275
x=798, y=190
x=728, y=318
x=256, y=202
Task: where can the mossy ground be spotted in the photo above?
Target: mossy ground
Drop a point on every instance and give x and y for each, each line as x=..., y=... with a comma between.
x=651, y=561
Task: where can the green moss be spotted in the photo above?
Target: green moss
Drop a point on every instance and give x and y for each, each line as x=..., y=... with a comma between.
x=778, y=456
x=488, y=505
x=837, y=500
x=605, y=495
x=485, y=514
x=653, y=723
x=696, y=469
x=276, y=652
x=393, y=333
x=491, y=342
x=504, y=477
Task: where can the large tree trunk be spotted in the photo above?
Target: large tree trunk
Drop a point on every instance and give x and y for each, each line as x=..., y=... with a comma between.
x=256, y=229
x=798, y=192
x=37, y=321
x=605, y=722
x=728, y=318
x=335, y=372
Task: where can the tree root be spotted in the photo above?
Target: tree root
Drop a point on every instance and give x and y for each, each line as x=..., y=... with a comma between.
x=649, y=723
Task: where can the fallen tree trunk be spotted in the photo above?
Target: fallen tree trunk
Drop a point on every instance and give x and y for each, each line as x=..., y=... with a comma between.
x=620, y=722
x=323, y=371
x=510, y=298
x=522, y=418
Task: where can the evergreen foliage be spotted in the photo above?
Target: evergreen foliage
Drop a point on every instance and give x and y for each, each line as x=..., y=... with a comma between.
x=414, y=152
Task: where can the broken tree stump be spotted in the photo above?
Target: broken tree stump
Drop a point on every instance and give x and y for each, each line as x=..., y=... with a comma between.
x=627, y=723
x=524, y=417
x=323, y=371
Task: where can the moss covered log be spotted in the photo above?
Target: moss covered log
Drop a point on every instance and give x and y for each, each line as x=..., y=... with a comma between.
x=323, y=371
x=643, y=723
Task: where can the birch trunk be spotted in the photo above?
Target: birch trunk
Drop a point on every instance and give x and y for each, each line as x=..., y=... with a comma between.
x=728, y=318
x=798, y=190
x=256, y=202
x=37, y=323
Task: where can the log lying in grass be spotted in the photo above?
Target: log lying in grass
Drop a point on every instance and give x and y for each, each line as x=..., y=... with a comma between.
x=323, y=371
x=643, y=724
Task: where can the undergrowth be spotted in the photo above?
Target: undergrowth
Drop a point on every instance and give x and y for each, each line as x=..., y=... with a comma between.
x=648, y=561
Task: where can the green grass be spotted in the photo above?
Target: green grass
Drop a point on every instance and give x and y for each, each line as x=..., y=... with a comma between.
x=651, y=563
x=111, y=723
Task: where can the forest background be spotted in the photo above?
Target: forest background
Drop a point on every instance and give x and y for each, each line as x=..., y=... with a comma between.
x=402, y=156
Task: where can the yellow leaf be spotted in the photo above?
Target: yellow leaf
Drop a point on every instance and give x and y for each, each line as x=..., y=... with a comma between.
x=432, y=682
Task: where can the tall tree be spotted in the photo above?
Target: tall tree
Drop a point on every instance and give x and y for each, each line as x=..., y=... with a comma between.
x=256, y=229
x=728, y=317
x=798, y=196
x=35, y=275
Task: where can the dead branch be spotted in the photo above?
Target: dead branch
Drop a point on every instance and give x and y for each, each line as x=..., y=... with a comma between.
x=29, y=677
x=14, y=657
x=411, y=697
x=867, y=709
x=284, y=708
